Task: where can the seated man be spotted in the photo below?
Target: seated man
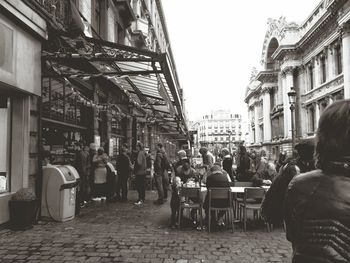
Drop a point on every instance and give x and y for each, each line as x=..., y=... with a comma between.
x=184, y=174
x=216, y=179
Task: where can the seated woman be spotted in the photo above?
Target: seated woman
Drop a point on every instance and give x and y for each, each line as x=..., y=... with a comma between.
x=216, y=179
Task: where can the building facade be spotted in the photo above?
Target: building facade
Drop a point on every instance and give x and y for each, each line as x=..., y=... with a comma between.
x=314, y=59
x=219, y=129
x=83, y=71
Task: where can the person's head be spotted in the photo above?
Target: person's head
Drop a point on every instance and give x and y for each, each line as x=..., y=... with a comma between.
x=242, y=149
x=186, y=164
x=86, y=148
x=225, y=152
x=100, y=151
x=215, y=169
x=333, y=134
x=159, y=146
x=182, y=154
x=124, y=147
x=253, y=154
x=263, y=153
x=92, y=146
x=203, y=151
x=305, y=151
x=139, y=146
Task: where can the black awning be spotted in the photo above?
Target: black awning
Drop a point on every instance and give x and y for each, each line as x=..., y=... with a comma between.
x=148, y=75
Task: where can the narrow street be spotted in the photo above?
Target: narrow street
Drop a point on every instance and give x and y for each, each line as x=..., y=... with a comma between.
x=122, y=232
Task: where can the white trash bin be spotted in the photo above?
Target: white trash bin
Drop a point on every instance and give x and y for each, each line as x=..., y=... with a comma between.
x=59, y=192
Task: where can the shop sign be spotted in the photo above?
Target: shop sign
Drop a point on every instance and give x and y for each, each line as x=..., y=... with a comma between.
x=6, y=48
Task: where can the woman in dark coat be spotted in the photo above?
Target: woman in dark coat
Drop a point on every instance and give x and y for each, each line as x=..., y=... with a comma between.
x=227, y=163
x=317, y=212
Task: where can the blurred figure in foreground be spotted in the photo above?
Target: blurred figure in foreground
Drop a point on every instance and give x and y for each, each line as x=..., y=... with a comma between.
x=317, y=212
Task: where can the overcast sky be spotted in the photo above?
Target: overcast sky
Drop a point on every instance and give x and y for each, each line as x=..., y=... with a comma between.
x=217, y=43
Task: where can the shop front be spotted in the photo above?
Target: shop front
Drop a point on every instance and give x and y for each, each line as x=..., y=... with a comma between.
x=20, y=88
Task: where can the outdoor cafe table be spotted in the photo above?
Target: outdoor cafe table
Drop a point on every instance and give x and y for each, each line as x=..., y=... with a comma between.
x=237, y=189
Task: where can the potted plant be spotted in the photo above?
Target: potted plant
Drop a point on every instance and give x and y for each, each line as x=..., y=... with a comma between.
x=23, y=208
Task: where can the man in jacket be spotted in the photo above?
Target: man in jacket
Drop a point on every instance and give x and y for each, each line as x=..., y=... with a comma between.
x=273, y=204
x=161, y=166
x=123, y=171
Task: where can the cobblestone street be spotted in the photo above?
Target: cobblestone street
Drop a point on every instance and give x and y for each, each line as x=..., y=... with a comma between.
x=121, y=232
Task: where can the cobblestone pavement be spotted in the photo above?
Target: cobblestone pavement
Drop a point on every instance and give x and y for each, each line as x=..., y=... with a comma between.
x=122, y=232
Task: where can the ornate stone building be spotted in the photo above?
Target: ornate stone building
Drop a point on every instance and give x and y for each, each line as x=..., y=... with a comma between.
x=314, y=58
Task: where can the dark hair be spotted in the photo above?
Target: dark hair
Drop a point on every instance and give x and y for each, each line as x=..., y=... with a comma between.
x=333, y=134
x=242, y=149
x=160, y=145
x=305, y=150
x=125, y=145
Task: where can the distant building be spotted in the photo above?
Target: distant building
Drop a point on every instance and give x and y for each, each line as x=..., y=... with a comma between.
x=218, y=129
x=312, y=57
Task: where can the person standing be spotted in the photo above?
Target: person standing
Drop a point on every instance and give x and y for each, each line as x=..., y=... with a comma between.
x=83, y=166
x=100, y=174
x=140, y=170
x=227, y=163
x=243, y=165
x=124, y=167
x=161, y=166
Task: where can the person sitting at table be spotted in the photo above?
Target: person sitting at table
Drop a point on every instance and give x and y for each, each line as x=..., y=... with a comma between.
x=182, y=156
x=186, y=173
x=216, y=179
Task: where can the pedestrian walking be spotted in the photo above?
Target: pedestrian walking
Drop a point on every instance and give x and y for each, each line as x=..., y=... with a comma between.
x=140, y=170
x=161, y=167
x=124, y=168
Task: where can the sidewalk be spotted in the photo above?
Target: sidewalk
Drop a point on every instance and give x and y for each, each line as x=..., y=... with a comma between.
x=122, y=232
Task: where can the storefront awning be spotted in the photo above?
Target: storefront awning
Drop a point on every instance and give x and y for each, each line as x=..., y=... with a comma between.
x=147, y=75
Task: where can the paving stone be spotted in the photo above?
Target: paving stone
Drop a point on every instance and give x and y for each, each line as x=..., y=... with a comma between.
x=121, y=232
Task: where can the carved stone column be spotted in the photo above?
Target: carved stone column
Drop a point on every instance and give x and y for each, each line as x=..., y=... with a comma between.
x=317, y=114
x=346, y=58
x=257, y=130
x=266, y=114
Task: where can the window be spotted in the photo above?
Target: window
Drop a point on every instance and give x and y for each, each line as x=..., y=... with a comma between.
x=311, y=119
x=323, y=70
x=339, y=60
x=311, y=77
x=5, y=121
x=215, y=138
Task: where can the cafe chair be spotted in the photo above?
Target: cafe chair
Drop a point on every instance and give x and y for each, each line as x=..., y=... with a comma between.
x=250, y=194
x=188, y=194
x=238, y=198
x=220, y=194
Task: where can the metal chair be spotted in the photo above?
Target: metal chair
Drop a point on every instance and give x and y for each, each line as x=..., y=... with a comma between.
x=220, y=194
x=189, y=194
x=238, y=198
x=253, y=193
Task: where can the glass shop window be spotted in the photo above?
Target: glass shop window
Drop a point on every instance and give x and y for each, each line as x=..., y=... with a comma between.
x=5, y=121
x=62, y=103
